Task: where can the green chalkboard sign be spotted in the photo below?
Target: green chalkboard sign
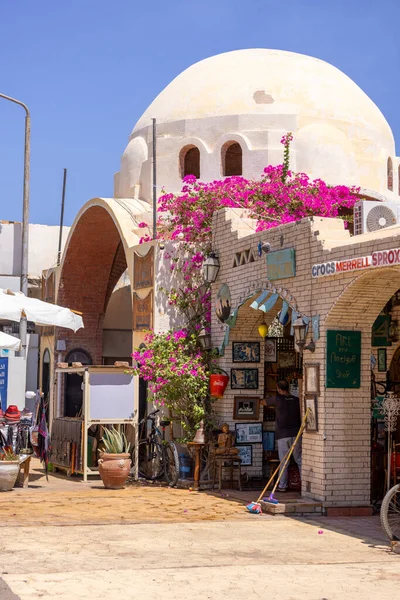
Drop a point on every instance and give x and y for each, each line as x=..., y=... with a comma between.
x=343, y=359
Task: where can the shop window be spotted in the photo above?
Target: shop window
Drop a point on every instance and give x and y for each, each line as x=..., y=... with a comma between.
x=232, y=159
x=390, y=174
x=190, y=161
x=73, y=383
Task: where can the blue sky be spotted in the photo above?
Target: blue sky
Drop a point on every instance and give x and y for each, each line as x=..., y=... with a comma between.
x=88, y=69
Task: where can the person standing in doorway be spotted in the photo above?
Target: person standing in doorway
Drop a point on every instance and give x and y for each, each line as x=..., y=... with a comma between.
x=287, y=425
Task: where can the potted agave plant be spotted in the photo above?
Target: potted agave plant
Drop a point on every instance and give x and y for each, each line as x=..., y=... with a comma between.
x=9, y=469
x=115, y=459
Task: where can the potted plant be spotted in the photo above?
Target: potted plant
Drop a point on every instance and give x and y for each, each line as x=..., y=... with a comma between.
x=219, y=379
x=115, y=460
x=9, y=469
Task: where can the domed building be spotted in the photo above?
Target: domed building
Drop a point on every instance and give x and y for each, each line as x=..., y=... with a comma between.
x=225, y=115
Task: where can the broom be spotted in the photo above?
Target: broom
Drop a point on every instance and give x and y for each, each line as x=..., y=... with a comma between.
x=255, y=507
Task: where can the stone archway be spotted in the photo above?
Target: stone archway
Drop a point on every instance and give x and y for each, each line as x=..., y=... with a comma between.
x=97, y=253
x=346, y=413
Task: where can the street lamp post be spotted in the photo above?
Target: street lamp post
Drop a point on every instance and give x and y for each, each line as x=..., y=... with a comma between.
x=25, y=215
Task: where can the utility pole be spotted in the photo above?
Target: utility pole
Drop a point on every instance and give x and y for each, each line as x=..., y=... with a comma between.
x=154, y=179
x=25, y=216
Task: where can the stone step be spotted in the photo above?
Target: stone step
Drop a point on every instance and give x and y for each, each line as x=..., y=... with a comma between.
x=296, y=506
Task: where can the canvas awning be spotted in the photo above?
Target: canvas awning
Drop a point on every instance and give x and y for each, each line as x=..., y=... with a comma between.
x=15, y=305
x=265, y=302
x=9, y=342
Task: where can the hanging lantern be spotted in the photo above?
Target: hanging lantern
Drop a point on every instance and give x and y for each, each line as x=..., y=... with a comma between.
x=211, y=268
x=263, y=330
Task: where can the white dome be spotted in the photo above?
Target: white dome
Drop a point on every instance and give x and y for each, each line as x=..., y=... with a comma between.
x=260, y=81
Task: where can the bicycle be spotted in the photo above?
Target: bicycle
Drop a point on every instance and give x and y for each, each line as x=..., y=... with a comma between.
x=390, y=513
x=158, y=457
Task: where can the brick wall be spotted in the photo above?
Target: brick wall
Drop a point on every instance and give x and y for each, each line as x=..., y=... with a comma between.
x=93, y=263
x=336, y=459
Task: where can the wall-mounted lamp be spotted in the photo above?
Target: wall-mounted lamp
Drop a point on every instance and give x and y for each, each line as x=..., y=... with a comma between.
x=263, y=247
x=211, y=268
x=205, y=339
x=300, y=331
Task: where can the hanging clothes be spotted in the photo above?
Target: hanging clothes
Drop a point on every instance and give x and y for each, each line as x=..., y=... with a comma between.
x=44, y=437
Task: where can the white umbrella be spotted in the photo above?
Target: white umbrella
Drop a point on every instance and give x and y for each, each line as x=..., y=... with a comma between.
x=15, y=305
x=9, y=342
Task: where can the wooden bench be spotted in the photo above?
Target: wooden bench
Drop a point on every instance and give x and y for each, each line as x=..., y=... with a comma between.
x=23, y=475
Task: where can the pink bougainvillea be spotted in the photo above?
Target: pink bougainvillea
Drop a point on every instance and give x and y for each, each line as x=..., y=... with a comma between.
x=279, y=196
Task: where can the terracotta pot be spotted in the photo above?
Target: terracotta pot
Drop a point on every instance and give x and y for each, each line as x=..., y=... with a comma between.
x=218, y=383
x=114, y=470
x=9, y=470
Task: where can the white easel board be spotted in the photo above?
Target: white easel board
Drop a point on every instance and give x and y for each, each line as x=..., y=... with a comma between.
x=111, y=396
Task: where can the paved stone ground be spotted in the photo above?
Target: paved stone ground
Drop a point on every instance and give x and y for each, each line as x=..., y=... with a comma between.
x=66, y=540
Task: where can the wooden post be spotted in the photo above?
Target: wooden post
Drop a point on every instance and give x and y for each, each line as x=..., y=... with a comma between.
x=197, y=448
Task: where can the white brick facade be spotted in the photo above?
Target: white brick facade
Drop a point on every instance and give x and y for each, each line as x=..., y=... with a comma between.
x=336, y=460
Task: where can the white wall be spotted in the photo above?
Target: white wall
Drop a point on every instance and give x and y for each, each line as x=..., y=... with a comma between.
x=43, y=248
x=324, y=149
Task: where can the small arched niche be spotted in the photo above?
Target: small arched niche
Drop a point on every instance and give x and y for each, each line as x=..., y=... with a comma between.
x=232, y=159
x=189, y=161
x=390, y=174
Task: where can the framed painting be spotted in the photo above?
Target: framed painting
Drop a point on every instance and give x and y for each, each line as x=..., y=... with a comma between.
x=270, y=350
x=246, y=408
x=248, y=433
x=244, y=379
x=287, y=360
x=311, y=378
x=246, y=455
x=312, y=418
x=246, y=352
x=382, y=360
x=268, y=441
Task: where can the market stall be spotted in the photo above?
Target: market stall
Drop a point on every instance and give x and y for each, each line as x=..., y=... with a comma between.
x=109, y=397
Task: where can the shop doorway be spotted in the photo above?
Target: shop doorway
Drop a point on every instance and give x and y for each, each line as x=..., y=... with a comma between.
x=282, y=362
x=73, y=383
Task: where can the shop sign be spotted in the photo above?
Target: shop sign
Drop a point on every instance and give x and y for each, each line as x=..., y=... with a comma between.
x=281, y=264
x=380, y=331
x=143, y=270
x=343, y=359
x=3, y=382
x=376, y=259
x=142, y=312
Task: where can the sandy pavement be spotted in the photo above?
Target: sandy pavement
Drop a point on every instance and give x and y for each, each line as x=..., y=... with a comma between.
x=66, y=540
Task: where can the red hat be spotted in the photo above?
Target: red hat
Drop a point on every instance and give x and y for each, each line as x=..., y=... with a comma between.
x=12, y=412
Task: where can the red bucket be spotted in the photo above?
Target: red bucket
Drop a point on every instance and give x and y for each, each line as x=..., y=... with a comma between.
x=218, y=383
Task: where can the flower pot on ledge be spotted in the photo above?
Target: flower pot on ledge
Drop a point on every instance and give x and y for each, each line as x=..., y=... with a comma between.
x=218, y=383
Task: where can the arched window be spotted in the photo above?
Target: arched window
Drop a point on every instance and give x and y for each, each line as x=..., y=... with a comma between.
x=232, y=159
x=390, y=174
x=190, y=161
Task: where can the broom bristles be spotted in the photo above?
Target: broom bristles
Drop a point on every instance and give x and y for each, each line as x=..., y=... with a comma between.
x=254, y=507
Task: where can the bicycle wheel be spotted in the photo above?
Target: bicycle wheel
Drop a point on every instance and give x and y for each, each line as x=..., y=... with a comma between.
x=390, y=513
x=151, y=460
x=171, y=464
